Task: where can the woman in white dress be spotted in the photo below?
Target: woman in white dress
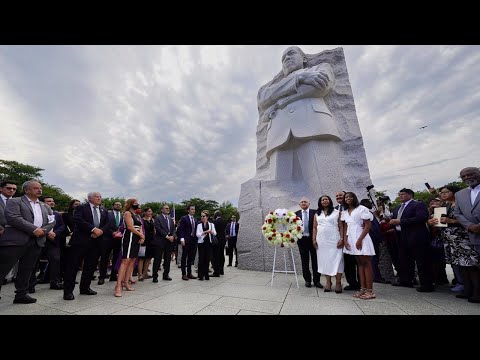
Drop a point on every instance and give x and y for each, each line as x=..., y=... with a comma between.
x=356, y=225
x=328, y=243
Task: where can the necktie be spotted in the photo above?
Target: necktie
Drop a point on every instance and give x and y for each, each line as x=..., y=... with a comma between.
x=400, y=211
x=193, y=226
x=305, y=222
x=168, y=222
x=231, y=229
x=117, y=218
x=96, y=221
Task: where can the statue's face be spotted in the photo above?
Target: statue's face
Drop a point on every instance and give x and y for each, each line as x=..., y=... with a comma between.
x=292, y=60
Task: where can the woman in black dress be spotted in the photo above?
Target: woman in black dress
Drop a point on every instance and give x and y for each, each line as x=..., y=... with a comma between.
x=132, y=239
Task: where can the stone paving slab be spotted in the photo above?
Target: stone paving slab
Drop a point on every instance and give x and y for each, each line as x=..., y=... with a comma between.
x=239, y=292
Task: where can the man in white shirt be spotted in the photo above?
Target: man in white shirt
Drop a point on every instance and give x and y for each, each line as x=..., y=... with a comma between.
x=28, y=222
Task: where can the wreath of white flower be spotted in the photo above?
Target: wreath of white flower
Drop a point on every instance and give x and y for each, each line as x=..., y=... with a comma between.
x=282, y=227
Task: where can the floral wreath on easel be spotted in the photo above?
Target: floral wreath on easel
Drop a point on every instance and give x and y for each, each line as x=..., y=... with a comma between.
x=289, y=220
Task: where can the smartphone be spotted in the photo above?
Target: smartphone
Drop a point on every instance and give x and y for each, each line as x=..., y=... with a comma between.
x=428, y=186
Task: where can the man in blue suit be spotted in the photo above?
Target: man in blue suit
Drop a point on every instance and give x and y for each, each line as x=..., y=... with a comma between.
x=187, y=228
x=410, y=220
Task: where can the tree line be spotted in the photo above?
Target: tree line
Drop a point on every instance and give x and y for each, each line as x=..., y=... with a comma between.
x=19, y=173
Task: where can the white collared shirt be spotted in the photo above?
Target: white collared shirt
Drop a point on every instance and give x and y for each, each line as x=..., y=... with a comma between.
x=37, y=212
x=474, y=193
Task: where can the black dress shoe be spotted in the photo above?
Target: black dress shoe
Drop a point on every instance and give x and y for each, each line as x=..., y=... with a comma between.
x=68, y=296
x=155, y=280
x=31, y=290
x=236, y=265
x=101, y=281
x=113, y=278
x=56, y=286
x=24, y=300
x=190, y=276
x=462, y=296
x=215, y=275
x=474, y=299
x=167, y=278
x=308, y=284
x=93, y=277
x=229, y=265
x=200, y=278
x=207, y=277
x=88, y=292
x=318, y=285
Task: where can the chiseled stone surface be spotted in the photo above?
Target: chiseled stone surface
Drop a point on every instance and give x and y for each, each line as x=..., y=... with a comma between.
x=344, y=163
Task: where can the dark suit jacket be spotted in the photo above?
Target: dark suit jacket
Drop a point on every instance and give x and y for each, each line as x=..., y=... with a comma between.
x=83, y=220
x=161, y=227
x=19, y=229
x=229, y=226
x=184, y=230
x=59, y=230
x=3, y=220
x=413, y=222
x=304, y=241
x=221, y=228
x=111, y=220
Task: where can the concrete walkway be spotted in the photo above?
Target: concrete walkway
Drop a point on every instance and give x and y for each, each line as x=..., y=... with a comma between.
x=239, y=292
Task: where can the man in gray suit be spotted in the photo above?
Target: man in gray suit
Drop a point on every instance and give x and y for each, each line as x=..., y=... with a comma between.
x=28, y=222
x=467, y=212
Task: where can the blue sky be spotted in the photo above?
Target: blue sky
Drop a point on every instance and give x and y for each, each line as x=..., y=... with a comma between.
x=175, y=122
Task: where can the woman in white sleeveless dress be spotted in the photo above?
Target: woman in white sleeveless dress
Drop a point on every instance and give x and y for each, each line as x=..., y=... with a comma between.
x=328, y=243
x=356, y=225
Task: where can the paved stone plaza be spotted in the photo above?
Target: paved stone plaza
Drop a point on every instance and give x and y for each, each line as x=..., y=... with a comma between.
x=239, y=292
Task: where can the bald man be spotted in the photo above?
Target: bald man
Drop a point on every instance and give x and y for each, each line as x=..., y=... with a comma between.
x=305, y=244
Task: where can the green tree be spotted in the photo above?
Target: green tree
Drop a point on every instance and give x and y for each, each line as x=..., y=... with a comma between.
x=61, y=199
x=108, y=202
x=19, y=173
x=227, y=209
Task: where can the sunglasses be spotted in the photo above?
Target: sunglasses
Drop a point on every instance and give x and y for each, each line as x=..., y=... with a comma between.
x=10, y=188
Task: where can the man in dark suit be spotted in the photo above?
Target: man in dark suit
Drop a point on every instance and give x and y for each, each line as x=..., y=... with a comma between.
x=305, y=244
x=52, y=247
x=410, y=220
x=467, y=212
x=91, y=224
x=231, y=234
x=186, y=230
x=110, y=244
x=28, y=222
x=163, y=243
x=7, y=190
x=218, y=258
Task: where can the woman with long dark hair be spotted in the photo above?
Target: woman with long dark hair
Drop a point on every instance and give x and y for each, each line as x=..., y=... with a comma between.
x=356, y=220
x=328, y=243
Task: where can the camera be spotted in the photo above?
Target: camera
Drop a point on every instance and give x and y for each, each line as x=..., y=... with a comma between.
x=370, y=187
